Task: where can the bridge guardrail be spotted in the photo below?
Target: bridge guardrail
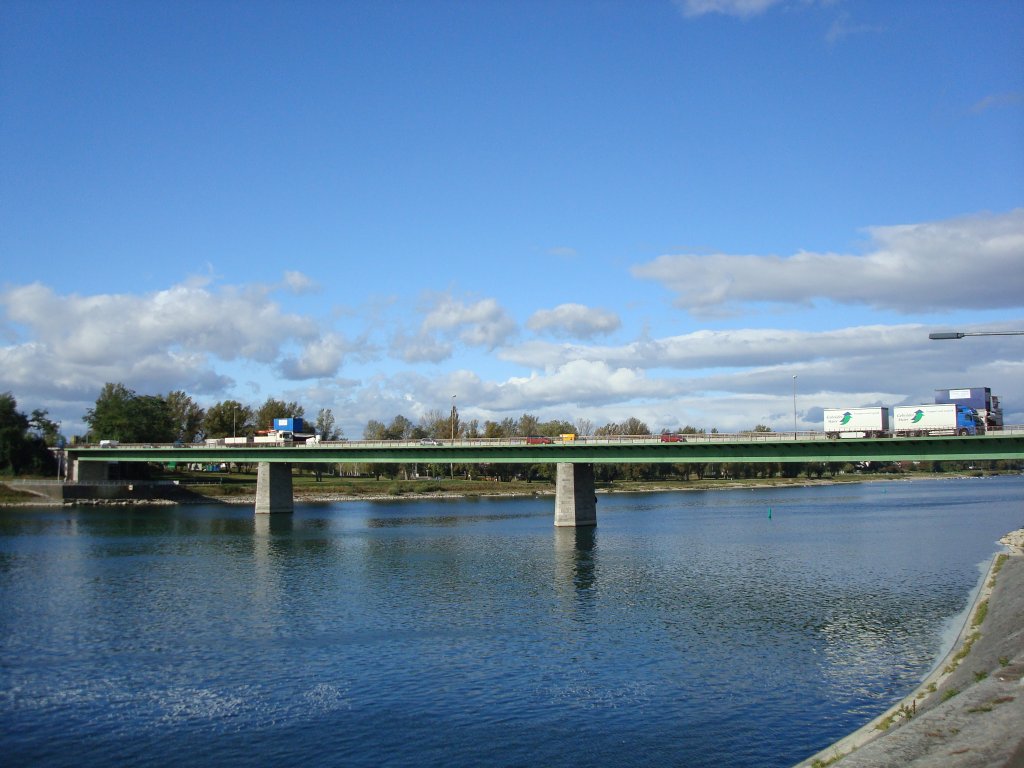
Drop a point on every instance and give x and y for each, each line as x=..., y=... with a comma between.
x=708, y=437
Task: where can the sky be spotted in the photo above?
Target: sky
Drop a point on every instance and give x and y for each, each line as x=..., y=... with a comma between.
x=714, y=213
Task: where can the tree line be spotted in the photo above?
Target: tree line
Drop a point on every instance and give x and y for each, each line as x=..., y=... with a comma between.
x=126, y=416
x=122, y=414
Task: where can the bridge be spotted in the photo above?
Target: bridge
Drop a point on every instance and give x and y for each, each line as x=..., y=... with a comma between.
x=575, y=502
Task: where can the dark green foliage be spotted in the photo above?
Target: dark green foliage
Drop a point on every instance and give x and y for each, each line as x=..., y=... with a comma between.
x=228, y=419
x=276, y=409
x=121, y=414
x=23, y=441
x=188, y=417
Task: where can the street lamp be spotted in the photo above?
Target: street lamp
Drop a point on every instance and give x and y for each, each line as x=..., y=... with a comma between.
x=939, y=335
x=59, y=453
x=455, y=415
x=794, y=406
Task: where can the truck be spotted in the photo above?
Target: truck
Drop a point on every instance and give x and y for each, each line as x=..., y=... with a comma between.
x=944, y=419
x=273, y=437
x=981, y=399
x=288, y=424
x=856, y=422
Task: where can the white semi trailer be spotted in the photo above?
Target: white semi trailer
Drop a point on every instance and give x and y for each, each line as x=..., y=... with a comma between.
x=947, y=419
x=856, y=422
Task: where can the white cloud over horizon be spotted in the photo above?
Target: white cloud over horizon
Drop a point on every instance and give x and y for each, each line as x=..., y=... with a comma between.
x=210, y=339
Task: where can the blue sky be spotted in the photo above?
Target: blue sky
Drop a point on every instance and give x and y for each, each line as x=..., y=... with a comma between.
x=579, y=210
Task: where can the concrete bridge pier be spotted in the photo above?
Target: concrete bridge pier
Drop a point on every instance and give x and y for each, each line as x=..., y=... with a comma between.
x=89, y=471
x=575, y=497
x=274, y=488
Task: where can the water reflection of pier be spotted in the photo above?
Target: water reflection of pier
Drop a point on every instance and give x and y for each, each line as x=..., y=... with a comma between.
x=576, y=563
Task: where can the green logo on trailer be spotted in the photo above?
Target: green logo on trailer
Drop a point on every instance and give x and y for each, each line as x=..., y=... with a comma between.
x=918, y=415
x=846, y=418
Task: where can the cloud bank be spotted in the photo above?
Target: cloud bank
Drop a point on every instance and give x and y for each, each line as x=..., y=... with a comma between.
x=972, y=262
x=209, y=339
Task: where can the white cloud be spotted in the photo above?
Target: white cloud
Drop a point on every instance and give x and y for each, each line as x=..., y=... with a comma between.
x=998, y=100
x=563, y=252
x=843, y=26
x=483, y=323
x=579, y=383
x=155, y=342
x=320, y=358
x=232, y=323
x=298, y=283
x=741, y=8
x=743, y=347
x=574, y=321
x=970, y=262
x=421, y=348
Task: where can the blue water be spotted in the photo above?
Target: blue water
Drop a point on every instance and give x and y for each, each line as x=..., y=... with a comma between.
x=688, y=629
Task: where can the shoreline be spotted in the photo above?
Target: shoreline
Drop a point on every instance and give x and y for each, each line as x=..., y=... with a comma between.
x=306, y=494
x=943, y=720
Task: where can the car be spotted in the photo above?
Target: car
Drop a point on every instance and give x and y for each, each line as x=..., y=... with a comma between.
x=429, y=441
x=538, y=440
x=669, y=437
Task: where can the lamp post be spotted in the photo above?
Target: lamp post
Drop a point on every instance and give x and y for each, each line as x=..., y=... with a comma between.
x=941, y=335
x=794, y=406
x=59, y=453
x=455, y=415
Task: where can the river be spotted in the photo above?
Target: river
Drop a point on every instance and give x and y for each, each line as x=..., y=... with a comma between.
x=733, y=627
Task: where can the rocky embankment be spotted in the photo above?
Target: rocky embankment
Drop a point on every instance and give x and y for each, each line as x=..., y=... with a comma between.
x=969, y=713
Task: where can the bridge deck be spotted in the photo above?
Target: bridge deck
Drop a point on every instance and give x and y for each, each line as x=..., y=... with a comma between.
x=767, y=447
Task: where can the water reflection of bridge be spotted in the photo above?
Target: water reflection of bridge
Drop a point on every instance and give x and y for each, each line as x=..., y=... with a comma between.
x=575, y=502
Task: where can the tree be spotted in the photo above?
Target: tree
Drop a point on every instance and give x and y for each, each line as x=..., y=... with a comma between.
x=400, y=428
x=41, y=425
x=633, y=426
x=554, y=428
x=505, y=428
x=276, y=409
x=435, y=424
x=121, y=414
x=528, y=425
x=228, y=418
x=325, y=426
x=21, y=450
x=110, y=418
x=187, y=416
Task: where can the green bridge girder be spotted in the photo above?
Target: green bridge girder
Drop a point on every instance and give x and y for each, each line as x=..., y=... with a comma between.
x=697, y=449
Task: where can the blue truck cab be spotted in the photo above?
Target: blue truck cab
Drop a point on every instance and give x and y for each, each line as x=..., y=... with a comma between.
x=968, y=422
